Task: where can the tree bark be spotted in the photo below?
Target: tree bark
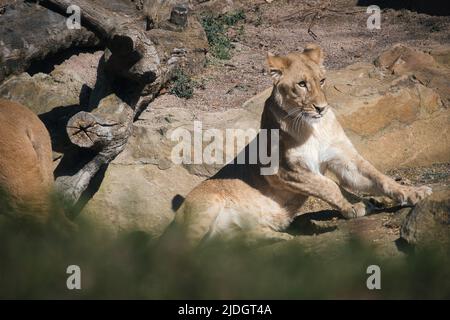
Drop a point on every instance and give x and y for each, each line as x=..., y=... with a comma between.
x=108, y=124
x=29, y=32
x=130, y=75
x=135, y=55
x=105, y=129
x=130, y=55
x=135, y=65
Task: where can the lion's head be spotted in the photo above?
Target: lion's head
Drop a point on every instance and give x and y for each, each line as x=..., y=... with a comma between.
x=298, y=79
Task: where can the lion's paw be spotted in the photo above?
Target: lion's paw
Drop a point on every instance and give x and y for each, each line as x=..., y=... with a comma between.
x=412, y=195
x=359, y=209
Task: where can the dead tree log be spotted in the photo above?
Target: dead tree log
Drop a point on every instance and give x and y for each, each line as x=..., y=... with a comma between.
x=137, y=62
x=130, y=75
x=29, y=32
x=130, y=55
x=135, y=55
x=107, y=125
x=105, y=129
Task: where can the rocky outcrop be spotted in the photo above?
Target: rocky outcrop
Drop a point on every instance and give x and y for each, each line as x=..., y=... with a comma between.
x=69, y=84
x=429, y=221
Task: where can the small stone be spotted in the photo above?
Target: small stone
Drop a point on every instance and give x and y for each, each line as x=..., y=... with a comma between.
x=179, y=15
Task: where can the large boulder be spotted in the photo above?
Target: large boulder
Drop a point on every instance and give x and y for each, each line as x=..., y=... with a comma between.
x=394, y=121
x=138, y=197
x=67, y=84
x=429, y=221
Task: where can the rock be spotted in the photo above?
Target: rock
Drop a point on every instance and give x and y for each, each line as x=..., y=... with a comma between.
x=319, y=232
x=390, y=114
x=185, y=49
x=159, y=11
x=40, y=93
x=64, y=86
x=441, y=54
x=401, y=59
x=429, y=221
x=138, y=197
x=429, y=68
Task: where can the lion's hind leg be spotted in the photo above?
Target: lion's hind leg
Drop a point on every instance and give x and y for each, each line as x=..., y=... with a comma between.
x=197, y=219
x=264, y=236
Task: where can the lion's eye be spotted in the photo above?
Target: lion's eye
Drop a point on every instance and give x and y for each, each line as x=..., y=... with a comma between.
x=322, y=81
x=302, y=84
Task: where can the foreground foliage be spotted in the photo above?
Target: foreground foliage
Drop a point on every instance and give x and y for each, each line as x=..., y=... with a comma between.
x=33, y=265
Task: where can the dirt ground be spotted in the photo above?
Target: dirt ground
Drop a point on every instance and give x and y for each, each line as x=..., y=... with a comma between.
x=282, y=26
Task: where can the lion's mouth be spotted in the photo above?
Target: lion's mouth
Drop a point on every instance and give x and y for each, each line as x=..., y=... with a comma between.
x=316, y=116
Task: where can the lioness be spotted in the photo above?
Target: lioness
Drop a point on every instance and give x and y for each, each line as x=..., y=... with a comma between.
x=26, y=169
x=311, y=142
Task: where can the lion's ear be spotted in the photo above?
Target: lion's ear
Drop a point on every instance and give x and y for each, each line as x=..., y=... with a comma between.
x=277, y=65
x=314, y=52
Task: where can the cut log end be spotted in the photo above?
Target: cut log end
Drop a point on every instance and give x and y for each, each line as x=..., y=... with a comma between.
x=84, y=130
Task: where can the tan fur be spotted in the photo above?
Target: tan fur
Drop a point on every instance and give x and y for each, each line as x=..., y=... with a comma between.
x=26, y=171
x=311, y=142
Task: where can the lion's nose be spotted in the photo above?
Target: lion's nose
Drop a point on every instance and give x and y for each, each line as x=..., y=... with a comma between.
x=319, y=108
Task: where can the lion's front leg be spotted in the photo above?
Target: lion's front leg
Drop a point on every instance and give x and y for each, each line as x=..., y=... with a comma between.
x=356, y=173
x=317, y=185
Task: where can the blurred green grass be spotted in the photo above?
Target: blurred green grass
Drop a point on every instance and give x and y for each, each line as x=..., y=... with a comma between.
x=134, y=266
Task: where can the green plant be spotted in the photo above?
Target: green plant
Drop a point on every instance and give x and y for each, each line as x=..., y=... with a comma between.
x=216, y=28
x=182, y=85
x=233, y=18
